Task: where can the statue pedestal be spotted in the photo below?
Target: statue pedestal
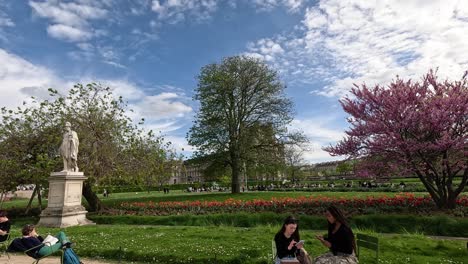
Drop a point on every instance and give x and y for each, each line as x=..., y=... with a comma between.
x=64, y=203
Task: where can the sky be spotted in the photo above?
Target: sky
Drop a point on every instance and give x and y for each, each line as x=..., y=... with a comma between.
x=151, y=51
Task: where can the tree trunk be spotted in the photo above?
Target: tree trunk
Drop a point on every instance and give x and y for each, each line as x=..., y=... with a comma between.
x=93, y=201
x=235, y=185
x=445, y=202
x=30, y=200
x=39, y=197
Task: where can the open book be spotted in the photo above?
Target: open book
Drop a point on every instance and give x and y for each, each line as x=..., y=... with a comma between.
x=50, y=240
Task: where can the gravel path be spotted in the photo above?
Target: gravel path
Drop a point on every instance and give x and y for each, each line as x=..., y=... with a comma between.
x=19, y=259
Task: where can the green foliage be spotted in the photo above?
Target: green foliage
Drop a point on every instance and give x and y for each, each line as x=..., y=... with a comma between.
x=111, y=145
x=242, y=108
x=440, y=225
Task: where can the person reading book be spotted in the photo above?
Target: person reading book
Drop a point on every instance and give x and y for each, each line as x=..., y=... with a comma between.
x=32, y=239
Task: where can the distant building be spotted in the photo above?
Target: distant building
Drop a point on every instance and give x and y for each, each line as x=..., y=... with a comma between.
x=189, y=171
x=329, y=170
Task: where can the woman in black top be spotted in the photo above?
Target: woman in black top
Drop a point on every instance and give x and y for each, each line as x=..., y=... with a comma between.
x=286, y=242
x=4, y=226
x=340, y=239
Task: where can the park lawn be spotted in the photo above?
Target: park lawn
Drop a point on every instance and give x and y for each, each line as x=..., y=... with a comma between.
x=184, y=244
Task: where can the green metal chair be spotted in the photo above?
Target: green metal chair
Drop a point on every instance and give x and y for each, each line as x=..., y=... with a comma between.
x=273, y=251
x=4, y=245
x=31, y=252
x=369, y=242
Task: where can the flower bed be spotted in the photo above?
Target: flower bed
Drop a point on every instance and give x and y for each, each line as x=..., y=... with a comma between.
x=404, y=202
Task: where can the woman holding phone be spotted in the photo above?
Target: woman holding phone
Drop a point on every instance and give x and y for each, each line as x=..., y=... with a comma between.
x=288, y=243
x=340, y=240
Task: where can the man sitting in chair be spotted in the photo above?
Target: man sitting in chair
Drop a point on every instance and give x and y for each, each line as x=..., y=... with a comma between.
x=31, y=239
x=34, y=245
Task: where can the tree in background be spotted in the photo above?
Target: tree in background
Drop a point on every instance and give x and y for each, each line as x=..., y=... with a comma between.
x=418, y=128
x=149, y=161
x=294, y=156
x=104, y=129
x=32, y=134
x=236, y=95
x=263, y=158
x=345, y=167
x=29, y=138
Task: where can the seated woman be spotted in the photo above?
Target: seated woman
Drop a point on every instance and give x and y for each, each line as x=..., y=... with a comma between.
x=340, y=239
x=4, y=226
x=286, y=242
x=31, y=240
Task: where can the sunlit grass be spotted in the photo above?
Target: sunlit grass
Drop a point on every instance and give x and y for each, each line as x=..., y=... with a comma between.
x=183, y=244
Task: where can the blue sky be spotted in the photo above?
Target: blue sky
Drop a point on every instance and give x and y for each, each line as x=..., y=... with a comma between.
x=150, y=51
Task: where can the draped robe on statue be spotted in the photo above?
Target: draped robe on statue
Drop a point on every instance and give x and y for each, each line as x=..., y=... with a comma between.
x=69, y=150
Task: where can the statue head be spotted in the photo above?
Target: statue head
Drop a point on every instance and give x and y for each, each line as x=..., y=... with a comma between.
x=67, y=124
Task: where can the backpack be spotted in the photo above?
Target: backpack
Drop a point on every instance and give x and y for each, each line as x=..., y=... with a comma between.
x=70, y=257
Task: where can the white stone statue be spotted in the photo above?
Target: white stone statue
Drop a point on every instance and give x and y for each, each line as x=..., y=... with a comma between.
x=69, y=149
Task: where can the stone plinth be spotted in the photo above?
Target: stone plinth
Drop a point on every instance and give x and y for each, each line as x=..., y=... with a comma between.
x=64, y=203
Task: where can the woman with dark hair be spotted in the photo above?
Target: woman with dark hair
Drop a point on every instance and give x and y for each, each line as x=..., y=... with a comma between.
x=287, y=242
x=4, y=226
x=340, y=239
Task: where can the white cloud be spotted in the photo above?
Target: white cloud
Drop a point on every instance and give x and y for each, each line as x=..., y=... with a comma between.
x=320, y=134
x=70, y=21
x=163, y=106
x=68, y=33
x=20, y=79
x=316, y=155
x=314, y=19
x=5, y=20
x=176, y=11
x=180, y=143
x=317, y=130
x=268, y=5
x=346, y=42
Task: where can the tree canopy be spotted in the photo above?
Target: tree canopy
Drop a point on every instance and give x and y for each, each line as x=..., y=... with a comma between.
x=239, y=98
x=110, y=142
x=410, y=127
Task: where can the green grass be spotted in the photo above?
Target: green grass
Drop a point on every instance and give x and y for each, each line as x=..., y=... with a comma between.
x=429, y=225
x=246, y=238
x=184, y=244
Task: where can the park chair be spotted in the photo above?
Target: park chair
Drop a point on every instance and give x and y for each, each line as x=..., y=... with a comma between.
x=369, y=242
x=4, y=245
x=273, y=251
x=31, y=252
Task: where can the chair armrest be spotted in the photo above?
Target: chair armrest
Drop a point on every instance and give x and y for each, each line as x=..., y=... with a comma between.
x=32, y=252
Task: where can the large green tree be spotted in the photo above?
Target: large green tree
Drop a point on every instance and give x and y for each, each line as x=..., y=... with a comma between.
x=235, y=96
x=31, y=135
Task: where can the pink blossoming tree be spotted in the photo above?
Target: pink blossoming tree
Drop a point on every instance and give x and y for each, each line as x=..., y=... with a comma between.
x=408, y=127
